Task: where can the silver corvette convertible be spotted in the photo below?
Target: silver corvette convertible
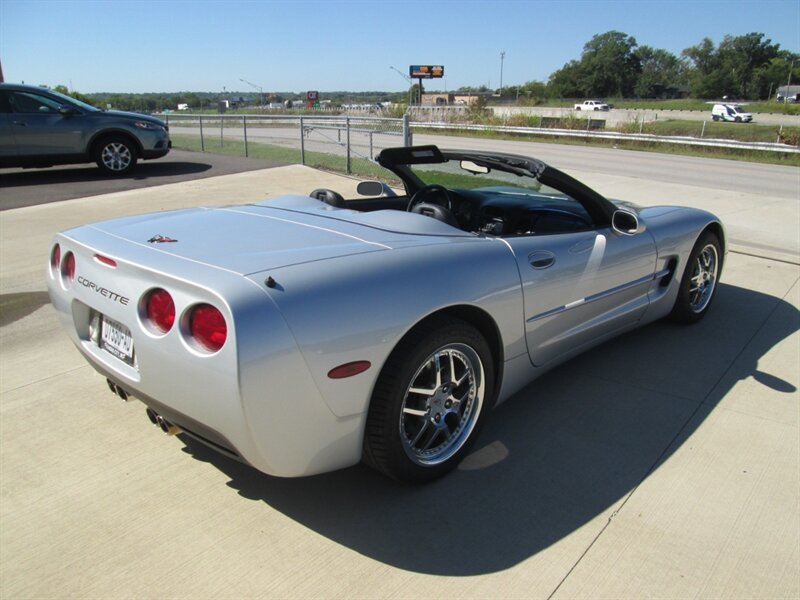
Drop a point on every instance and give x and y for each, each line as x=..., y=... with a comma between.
x=307, y=333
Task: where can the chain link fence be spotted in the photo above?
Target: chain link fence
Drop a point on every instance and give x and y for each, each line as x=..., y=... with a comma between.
x=343, y=143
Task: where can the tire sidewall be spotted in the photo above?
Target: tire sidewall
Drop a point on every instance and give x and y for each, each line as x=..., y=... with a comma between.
x=401, y=368
x=682, y=311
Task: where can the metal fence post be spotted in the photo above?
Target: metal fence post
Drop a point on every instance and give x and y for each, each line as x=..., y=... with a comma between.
x=703, y=130
x=202, y=138
x=406, y=131
x=371, y=151
x=221, y=123
x=244, y=126
x=347, y=123
x=302, y=143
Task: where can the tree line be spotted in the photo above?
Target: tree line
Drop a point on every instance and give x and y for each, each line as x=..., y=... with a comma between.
x=612, y=64
x=746, y=67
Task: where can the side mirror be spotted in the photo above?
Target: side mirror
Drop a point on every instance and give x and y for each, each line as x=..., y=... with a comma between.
x=624, y=222
x=67, y=111
x=374, y=189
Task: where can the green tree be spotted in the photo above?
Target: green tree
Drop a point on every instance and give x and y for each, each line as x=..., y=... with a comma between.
x=568, y=81
x=62, y=89
x=772, y=75
x=609, y=66
x=659, y=70
x=735, y=68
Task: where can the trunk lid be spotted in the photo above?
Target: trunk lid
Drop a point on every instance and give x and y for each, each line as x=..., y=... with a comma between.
x=245, y=240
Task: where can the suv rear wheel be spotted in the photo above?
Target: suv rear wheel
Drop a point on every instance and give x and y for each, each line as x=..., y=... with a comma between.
x=116, y=155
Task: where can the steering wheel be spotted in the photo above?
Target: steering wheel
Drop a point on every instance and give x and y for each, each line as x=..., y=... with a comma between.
x=436, y=192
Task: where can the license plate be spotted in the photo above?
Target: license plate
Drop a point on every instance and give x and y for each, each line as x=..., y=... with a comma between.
x=116, y=339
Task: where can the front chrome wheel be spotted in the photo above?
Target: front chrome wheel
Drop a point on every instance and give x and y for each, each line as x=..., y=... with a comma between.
x=698, y=285
x=704, y=278
x=442, y=404
x=116, y=157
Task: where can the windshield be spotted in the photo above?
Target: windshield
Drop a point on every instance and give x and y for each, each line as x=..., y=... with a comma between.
x=71, y=100
x=452, y=175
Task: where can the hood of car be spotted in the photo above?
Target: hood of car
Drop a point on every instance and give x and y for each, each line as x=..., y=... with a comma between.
x=121, y=114
x=251, y=238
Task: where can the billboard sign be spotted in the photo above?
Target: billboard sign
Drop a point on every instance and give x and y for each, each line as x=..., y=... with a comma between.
x=426, y=71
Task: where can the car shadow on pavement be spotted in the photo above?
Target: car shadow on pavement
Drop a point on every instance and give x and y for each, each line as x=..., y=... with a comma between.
x=559, y=454
x=85, y=173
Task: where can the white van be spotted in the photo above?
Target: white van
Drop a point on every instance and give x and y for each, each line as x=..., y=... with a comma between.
x=730, y=112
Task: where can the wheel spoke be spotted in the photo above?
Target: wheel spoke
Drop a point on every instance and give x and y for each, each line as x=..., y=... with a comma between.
x=415, y=412
x=420, y=432
x=437, y=363
x=435, y=434
x=422, y=391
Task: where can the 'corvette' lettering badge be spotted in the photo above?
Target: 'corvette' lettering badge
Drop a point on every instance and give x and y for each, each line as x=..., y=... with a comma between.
x=105, y=292
x=160, y=239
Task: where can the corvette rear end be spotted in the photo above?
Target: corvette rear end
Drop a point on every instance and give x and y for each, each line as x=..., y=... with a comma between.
x=199, y=342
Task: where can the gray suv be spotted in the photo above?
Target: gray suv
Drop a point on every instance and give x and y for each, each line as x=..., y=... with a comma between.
x=40, y=128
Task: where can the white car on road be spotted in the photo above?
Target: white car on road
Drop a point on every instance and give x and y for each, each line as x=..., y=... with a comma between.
x=592, y=105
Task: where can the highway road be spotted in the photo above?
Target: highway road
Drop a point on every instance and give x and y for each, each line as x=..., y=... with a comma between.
x=759, y=203
x=736, y=176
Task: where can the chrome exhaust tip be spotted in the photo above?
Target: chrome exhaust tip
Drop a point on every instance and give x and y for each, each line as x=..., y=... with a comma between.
x=166, y=426
x=117, y=390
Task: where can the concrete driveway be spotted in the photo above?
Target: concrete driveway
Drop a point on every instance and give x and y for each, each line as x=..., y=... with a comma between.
x=664, y=463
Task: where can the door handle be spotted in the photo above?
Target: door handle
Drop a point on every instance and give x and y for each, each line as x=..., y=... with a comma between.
x=20, y=123
x=542, y=259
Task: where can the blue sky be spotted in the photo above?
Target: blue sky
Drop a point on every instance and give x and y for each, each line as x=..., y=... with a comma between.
x=208, y=45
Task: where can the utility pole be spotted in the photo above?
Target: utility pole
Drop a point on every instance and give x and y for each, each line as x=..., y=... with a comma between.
x=502, y=57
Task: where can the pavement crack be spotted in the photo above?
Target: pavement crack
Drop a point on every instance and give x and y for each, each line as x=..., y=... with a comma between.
x=700, y=405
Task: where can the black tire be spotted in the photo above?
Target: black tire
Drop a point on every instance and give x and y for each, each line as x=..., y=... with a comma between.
x=738, y=119
x=698, y=286
x=715, y=117
x=116, y=155
x=443, y=422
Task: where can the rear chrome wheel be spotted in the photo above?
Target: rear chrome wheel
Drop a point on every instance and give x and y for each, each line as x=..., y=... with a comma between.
x=430, y=401
x=442, y=404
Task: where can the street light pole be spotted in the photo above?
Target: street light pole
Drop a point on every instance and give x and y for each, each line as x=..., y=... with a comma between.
x=255, y=87
x=407, y=78
x=502, y=57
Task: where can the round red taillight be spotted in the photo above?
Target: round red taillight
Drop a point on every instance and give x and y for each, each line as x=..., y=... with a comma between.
x=68, y=267
x=160, y=309
x=207, y=326
x=55, y=257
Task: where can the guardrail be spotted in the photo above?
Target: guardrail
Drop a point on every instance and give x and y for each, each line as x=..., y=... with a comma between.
x=614, y=135
x=341, y=135
x=365, y=128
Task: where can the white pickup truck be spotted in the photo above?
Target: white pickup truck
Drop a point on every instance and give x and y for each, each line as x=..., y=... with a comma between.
x=592, y=105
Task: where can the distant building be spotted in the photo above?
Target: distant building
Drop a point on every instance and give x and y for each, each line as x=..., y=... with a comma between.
x=788, y=93
x=450, y=99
